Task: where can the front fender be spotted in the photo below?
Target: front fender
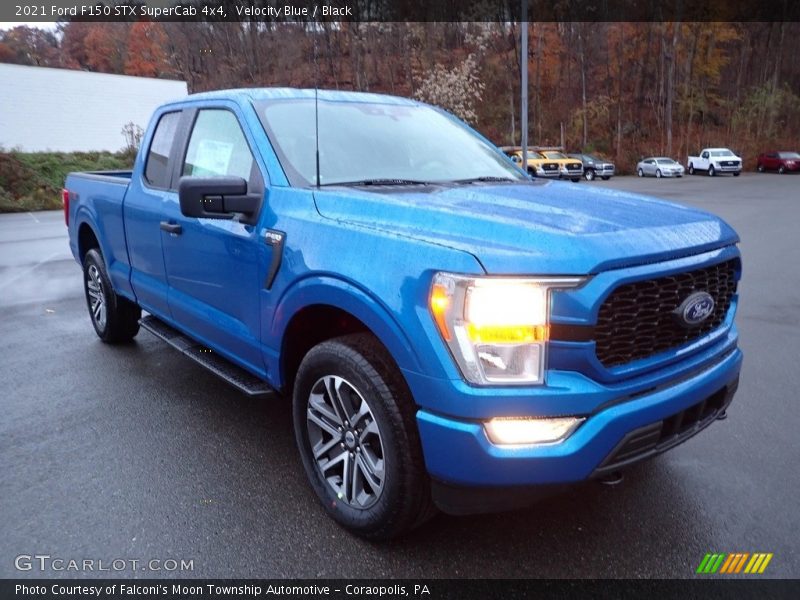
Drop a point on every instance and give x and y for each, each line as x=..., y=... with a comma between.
x=326, y=290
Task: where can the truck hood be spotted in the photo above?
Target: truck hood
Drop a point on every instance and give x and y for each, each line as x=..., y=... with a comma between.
x=541, y=227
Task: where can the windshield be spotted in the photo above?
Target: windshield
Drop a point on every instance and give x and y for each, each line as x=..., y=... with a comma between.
x=361, y=141
x=554, y=155
x=721, y=153
x=794, y=155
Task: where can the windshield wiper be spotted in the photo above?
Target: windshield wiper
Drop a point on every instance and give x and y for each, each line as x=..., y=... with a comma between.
x=378, y=182
x=485, y=178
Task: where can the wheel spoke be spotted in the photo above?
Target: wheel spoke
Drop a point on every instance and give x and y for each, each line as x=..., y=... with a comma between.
x=372, y=428
x=334, y=387
x=317, y=402
x=329, y=464
x=347, y=476
x=322, y=423
x=322, y=448
x=372, y=473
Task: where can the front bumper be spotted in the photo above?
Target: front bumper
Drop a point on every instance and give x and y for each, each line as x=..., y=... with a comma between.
x=570, y=173
x=458, y=453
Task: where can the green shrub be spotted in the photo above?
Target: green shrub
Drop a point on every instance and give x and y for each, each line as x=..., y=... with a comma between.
x=33, y=180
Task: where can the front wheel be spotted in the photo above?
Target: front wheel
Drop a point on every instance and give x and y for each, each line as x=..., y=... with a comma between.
x=115, y=318
x=691, y=169
x=658, y=173
x=711, y=171
x=356, y=431
x=589, y=174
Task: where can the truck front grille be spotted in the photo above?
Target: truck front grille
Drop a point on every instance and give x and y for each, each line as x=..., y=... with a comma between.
x=638, y=319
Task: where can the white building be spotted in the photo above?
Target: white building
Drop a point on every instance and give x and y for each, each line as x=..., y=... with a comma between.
x=65, y=110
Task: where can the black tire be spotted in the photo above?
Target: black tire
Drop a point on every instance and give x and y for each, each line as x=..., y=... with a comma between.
x=737, y=174
x=781, y=169
x=658, y=173
x=691, y=169
x=711, y=171
x=760, y=168
x=606, y=178
x=575, y=179
x=404, y=500
x=531, y=172
x=590, y=174
x=120, y=323
x=640, y=173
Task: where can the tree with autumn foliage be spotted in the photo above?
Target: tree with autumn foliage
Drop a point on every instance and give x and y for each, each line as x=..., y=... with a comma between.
x=619, y=89
x=145, y=51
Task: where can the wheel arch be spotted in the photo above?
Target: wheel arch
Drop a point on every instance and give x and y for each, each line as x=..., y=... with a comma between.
x=324, y=308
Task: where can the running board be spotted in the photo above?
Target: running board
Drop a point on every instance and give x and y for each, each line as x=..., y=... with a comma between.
x=233, y=374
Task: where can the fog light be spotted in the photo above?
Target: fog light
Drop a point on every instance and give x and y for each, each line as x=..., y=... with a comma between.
x=525, y=431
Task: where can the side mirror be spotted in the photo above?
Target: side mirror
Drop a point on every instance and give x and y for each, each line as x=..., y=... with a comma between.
x=217, y=198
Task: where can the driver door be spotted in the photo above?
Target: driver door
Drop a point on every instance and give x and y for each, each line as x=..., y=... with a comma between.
x=212, y=264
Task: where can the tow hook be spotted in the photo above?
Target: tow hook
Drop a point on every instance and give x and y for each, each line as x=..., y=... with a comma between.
x=613, y=478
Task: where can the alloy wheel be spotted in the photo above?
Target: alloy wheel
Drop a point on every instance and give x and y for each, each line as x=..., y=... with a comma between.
x=97, y=297
x=346, y=441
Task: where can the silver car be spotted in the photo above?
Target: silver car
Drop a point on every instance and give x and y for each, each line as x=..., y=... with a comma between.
x=659, y=166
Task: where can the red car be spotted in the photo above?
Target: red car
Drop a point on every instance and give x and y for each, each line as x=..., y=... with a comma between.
x=778, y=161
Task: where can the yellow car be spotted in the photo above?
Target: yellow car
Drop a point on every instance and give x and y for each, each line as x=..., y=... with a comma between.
x=538, y=165
x=569, y=168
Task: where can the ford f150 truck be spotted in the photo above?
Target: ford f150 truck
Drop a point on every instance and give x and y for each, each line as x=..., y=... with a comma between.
x=451, y=333
x=715, y=160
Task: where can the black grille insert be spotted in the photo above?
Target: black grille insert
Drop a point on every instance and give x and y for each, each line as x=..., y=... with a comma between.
x=637, y=320
x=661, y=436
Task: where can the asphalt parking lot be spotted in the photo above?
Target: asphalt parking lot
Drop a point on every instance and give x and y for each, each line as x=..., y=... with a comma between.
x=135, y=452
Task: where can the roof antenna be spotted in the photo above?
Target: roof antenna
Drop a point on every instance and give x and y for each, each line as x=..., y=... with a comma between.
x=316, y=101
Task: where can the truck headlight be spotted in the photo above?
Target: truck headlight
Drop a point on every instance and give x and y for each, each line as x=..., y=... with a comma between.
x=496, y=328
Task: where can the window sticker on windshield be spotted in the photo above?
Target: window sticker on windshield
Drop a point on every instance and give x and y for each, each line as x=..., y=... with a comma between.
x=212, y=158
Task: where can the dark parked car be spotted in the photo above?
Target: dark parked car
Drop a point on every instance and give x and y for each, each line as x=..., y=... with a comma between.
x=778, y=161
x=594, y=166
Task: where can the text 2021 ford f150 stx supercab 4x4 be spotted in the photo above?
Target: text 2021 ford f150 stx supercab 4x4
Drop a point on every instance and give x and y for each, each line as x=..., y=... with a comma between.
x=451, y=332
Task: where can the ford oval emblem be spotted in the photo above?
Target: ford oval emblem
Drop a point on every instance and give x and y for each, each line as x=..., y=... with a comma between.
x=696, y=308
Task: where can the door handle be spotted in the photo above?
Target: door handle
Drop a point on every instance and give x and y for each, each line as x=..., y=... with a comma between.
x=171, y=227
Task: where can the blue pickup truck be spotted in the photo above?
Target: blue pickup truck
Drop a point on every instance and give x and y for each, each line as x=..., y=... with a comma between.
x=452, y=333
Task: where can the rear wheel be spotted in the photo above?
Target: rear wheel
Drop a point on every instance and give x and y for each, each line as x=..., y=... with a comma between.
x=737, y=174
x=760, y=168
x=640, y=173
x=355, y=427
x=115, y=318
x=575, y=179
x=606, y=178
